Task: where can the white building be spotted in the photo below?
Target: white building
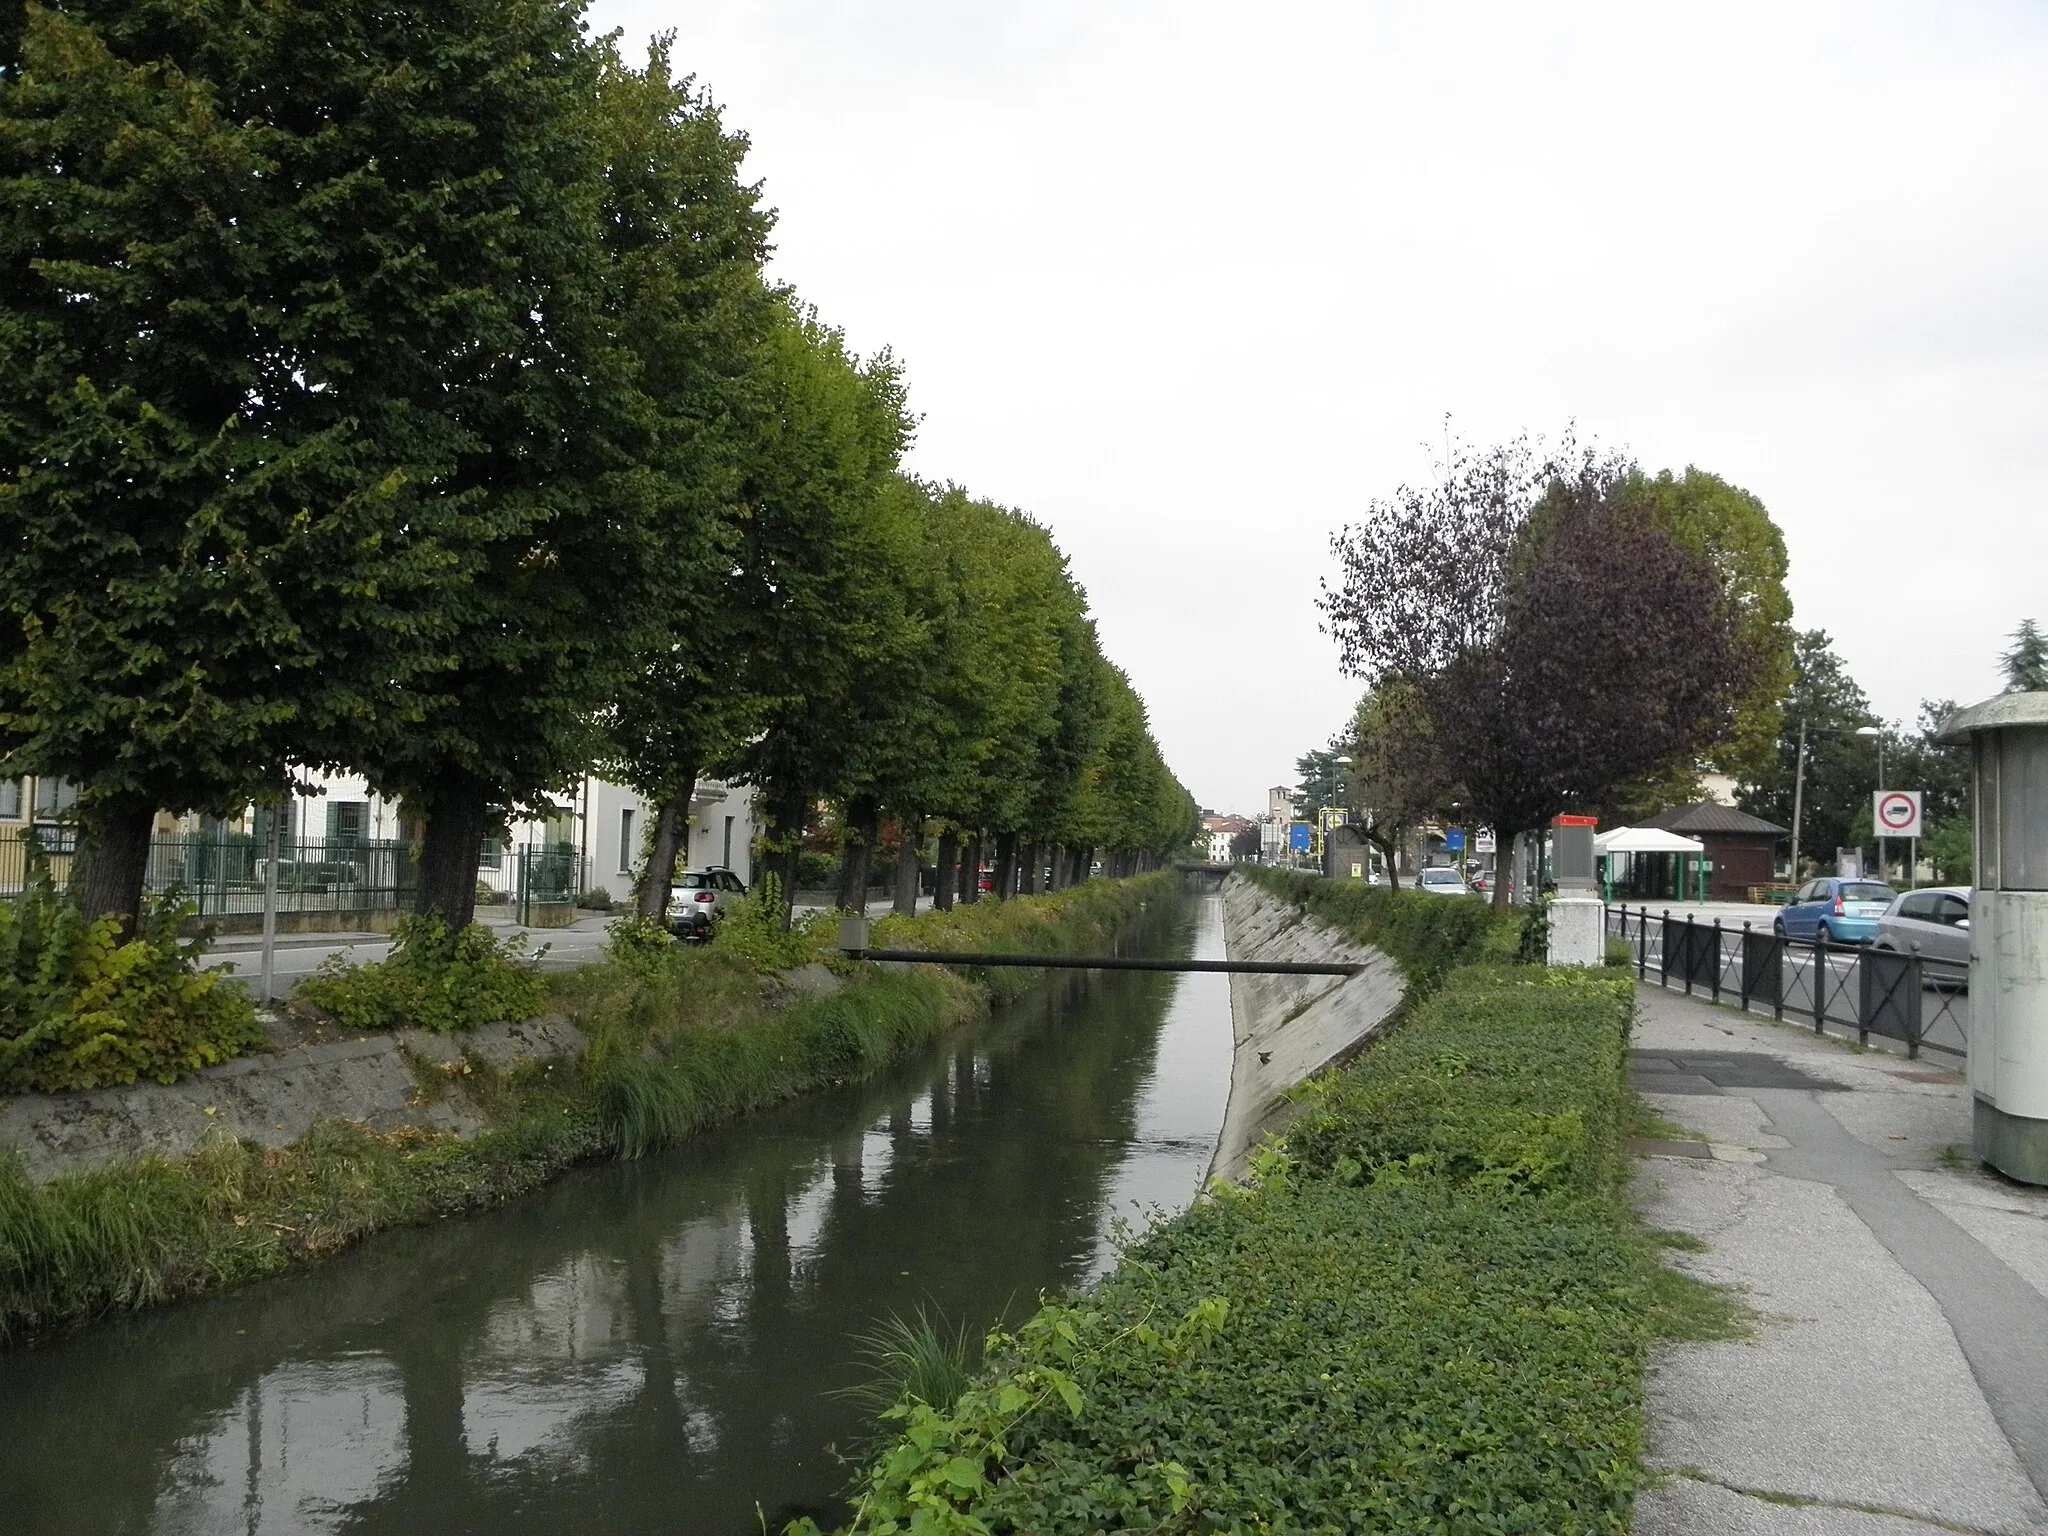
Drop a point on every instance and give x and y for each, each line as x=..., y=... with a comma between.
x=604, y=823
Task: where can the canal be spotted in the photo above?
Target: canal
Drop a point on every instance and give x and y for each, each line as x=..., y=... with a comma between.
x=659, y=1346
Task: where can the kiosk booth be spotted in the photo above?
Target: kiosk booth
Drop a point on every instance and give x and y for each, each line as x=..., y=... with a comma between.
x=2009, y=931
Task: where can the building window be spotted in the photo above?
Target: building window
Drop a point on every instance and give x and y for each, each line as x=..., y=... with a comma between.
x=54, y=797
x=491, y=855
x=345, y=822
x=10, y=799
x=626, y=842
x=558, y=829
x=727, y=860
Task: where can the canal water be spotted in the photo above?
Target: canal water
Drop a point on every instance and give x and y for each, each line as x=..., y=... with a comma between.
x=658, y=1346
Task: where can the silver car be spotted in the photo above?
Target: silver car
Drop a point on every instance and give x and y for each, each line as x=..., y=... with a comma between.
x=1442, y=880
x=1933, y=924
x=699, y=899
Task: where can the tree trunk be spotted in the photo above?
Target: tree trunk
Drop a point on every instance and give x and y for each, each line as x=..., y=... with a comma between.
x=670, y=842
x=1027, y=867
x=947, y=879
x=856, y=853
x=909, y=834
x=1501, y=877
x=789, y=816
x=970, y=871
x=1084, y=863
x=113, y=859
x=1056, y=868
x=1006, y=866
x=448, y=857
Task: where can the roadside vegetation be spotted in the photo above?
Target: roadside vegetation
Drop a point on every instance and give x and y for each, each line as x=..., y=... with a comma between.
x=1427, y=1309
x=1428, y=936
x=82, y=1006
x=681, y=1038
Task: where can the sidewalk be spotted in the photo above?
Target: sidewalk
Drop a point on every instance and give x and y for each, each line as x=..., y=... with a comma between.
x=301, y=954
x=1897, y=1382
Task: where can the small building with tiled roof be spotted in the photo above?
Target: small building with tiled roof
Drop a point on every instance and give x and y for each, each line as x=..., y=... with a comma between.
x=1742, y=848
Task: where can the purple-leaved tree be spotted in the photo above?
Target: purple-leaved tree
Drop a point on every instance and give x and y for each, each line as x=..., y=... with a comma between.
x=1553, y=641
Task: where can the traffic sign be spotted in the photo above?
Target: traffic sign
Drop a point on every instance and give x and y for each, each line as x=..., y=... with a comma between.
x=1297, y=836
x=1454, y=839
x=1896, y=812
x=1482, y=841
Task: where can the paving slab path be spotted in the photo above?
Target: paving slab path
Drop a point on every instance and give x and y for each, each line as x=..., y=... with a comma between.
x=1897, y=1379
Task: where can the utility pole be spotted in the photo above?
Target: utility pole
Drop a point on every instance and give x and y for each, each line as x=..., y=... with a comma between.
x=268, y=985
x=1798, y=798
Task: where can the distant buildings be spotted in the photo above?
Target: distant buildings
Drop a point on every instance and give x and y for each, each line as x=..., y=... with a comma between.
x=1223, y=830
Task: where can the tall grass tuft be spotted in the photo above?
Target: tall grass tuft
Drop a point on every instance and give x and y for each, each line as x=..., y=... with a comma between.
x=917, y=1359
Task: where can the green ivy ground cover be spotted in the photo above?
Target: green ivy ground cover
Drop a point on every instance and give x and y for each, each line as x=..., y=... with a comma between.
x=1427, y=1314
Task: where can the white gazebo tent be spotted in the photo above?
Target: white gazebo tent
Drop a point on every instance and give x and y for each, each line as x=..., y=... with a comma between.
x=1639, y=840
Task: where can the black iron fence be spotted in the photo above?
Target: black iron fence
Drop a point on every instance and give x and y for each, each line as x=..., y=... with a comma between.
x=224, y=873
x=1918, y=1001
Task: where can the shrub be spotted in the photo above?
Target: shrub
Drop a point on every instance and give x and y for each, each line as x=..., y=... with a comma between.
x=634, y=940
x=431, y=981
x=80, y=1008
x=596, y=899
x=1532, y=934
x=1428, y=1313
x=751, y=929
x=1426, y=935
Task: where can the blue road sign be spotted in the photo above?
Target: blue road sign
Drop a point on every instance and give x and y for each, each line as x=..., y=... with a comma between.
x=1454, y=839
x=1297, y=836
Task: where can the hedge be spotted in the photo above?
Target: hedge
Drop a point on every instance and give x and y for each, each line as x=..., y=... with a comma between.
x=1428, y=1313
x=1428, y=936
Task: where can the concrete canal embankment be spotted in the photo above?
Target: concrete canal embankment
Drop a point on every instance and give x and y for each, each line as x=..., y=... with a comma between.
x=1288, y=1028
x=276, y=1098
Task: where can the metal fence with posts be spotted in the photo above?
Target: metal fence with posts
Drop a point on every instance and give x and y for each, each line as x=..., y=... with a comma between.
x=1915, y=1000
x=223, y=872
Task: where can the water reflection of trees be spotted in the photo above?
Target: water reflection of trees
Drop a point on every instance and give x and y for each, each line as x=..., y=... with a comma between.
x=640, y=1347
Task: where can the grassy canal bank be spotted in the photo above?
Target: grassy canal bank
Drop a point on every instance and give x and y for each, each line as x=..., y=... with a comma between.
x=680, y=1039
x=1427, y=1311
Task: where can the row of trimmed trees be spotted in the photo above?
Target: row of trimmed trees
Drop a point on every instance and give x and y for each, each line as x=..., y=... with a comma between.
x=398, y=389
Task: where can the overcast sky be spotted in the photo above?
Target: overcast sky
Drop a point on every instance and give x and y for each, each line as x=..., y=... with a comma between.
x=1191, y=283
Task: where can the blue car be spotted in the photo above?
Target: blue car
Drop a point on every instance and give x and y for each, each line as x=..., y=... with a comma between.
x=1840, y=911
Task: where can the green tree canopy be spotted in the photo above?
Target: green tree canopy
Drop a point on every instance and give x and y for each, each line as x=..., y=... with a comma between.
x=274, y=282
x=2026, y=664
x=687, y=238
x=1746, y=550
x=1841, y=766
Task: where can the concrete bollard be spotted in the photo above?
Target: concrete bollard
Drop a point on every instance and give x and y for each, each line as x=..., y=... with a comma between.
x=1577, y=930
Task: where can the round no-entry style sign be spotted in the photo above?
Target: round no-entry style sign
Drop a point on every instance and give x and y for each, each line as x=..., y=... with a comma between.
x=1897, y=812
